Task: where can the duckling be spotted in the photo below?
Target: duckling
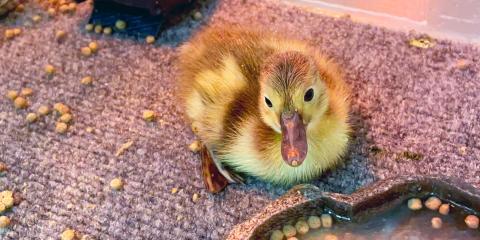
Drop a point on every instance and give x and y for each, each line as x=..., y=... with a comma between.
x=262, y=105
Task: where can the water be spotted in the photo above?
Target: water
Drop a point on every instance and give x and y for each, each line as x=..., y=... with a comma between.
x=401, y=224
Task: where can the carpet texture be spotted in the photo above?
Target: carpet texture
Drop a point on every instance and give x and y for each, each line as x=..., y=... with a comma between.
x=414, y=105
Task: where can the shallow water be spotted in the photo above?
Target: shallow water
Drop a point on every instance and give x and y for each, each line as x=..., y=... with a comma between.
x=401, y=224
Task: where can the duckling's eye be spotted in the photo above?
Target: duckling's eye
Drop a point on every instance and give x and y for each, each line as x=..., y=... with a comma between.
x=268, y=102
x=308, y=95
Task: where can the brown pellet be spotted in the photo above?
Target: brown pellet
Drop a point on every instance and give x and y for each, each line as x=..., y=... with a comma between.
x=51, y=12
x=120, y=24
x=63, y=8
x=444, y=209
x=150, y=39
x=49, y=69
x=37, y=18
x=472, y=221
x=86, y=80
x=20, y=103
x=314, y=222
x=107, y=31
x=61, y=108
x=195, y=197
x=433, y=203
x=89, y=27
x=195, y=146
x=9, y=34
x=43, y=110
x=86, y=51
x=436, y=222
x=302, y=227
x=289, y=231
x=116, y=184
x=98, y=29
x=68, y=234
x=61, y=127
x=4, y=222
x=26, y=92
x=60, y=35
x=31, y=117
x=17, y=31
x=414, y=204
x=12, y=94
x=327, y=220
x=66, y=118
x=330, y=237
x=148, y=115
x=93, y=46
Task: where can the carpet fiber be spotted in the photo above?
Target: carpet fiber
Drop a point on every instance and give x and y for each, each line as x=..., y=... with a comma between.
x=414, y=112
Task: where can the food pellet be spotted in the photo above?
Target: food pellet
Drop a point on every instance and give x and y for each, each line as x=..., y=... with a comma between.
x=51, y=12
x=150, y=39
x=61, y=108
x=120, y=24
x=197, y=15
x=89, y=27
x=31, y=117
x=26, y=92
x=292, y=238
x=43, y=110
x=436, y=223
x=4, y=222
x=72, y=7
x=86, y=51
x=98, y=29
x=472, y=221
x=17, y=31
x=195, y=197
x=107, y=31
x=276, y=235
x=86, y=80
x=123, y=148
x=414, y=204
x=148, y=115
x=20, y=8
x=433, y=203
x=9, y=34
x=195, y=146
x=66, y=118
x=326, y=220
x=87, y=237
x=330, y=237
x=12, y=94
x=93, y=46
x=61, y=127
x=314, y=222
x=302, y=227
x=444, y=209
x=6, y=199
x=60, y=35
x=68, y=234
x=89, y=129
x=63, y=8
x=37, y=18
x=20, y=103
x=289, y=231
x=49, y=69
x=116, y=184
x=174, y=190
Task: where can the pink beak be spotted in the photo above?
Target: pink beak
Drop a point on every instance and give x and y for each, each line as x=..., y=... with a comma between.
x=294, y=139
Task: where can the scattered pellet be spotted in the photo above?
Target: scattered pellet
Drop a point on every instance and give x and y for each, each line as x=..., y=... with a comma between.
x=289, y=231
x=17, y=31
x=66, y=118
x=150, y=39
x=433, y=203
x=86, y=80
x=195, y=146
x=60, y=35
x=98, y=28
x=4, y=222
x=89, y=27
x=93, y=46
x=37, y=18
x=3, y=167
x=148, y=115
x=107, y=31
x=87, y=237
x=61, y=108
x=197, y=15
x=20, y=103
x=436, y=222
x=12, y=94
x=61, y=127
x=302, y=227
x=6, y=199
x=72, y=7
x=462, y=64
x=20, y=8
x=51, y=12
x=49, y=69
x=26, y=92
x=86, y=51
x=120, y=24
x=68, y=234
x=116, y=184
x=63, y=8
x=195, y=197
x=463, y=150
x=314, y=222
x=444, y=209
x=327, y=220
x=124, y=148
x=31, y=117
x=9, y=33
x=472, y=221
x=330, y=237
x=89, y=129
x=414, y=204
x=43, y=110
x=174, y=190
x=276, y=235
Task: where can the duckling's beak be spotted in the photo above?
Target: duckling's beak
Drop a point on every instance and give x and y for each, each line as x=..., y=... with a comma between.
x=294, y=139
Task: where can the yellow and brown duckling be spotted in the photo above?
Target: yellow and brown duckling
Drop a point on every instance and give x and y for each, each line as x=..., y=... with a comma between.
x=262, y=105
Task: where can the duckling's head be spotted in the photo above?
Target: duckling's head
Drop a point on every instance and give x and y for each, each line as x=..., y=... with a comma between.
x=292, y=97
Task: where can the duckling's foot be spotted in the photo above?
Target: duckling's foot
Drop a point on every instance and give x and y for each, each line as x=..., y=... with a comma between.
x=213, y=179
